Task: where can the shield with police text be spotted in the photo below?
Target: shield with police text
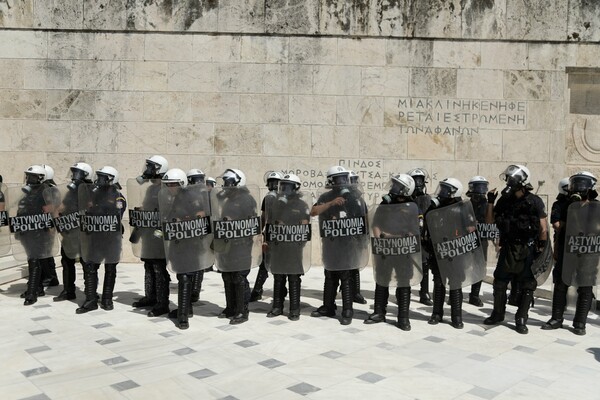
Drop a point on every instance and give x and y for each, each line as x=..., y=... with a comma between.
x=186, y=227
x=101, y=208
x=456, y=244
x=144, y=219
x=287, y=234
x=63, y=203
x=4, y=230
x=396, y=244
x=30, y=222
x=343, y=228
x=582, y=244
x=236, y=228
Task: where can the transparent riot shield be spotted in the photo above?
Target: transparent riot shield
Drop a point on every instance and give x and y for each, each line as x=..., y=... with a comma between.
x=542, y=265
x=343, y=229
x=396, y=244
x=582, y=244
x=101, y=230
x=4, y=229
x=144, y=219
x=456, y=244
x=236, y=228
x=186, y=227
x=63, y=203
x=33, y=234
x=287, y=234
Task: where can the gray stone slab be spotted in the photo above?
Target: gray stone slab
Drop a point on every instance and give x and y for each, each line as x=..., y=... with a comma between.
x=483, y=393
x=39, y=349
x=370, y=377
x=271, y=363
x=125, y=385
x=184, y=351
x=115, y=360
x=202, y=373
x=332, y=354
x=246, y=343
x=40, y=332
x=35, y=371
x=304, y=388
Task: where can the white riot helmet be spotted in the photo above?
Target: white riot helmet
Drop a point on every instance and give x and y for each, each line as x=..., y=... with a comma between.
x=80, y=171
x=582, y=182
x=195, y=176
x=49, y=172
x=155, y=166
x=34, y=175
x=402, y=185
x=421, y=178
x=478, y=185
x=449, y=188
x=563, y=186
x=516, y=175
x=175, y=177
x=272, y=179
x=353, y=177
x=106, y=176
x=233, y=177
x=337, y=175
x=289, y=184
x=210, y=181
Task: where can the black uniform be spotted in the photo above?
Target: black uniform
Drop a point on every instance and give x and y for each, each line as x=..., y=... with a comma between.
x=424, y=202
x=263, y=274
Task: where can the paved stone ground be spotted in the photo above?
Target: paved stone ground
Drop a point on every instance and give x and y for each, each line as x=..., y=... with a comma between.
x=49, y=352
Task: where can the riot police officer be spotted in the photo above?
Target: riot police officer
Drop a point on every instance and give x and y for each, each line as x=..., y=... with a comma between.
x=271, y=179
x=210, y=183
x=287, y=234
x=396, y=219
x=578, y=216
x=344, y=240
x=521, y=219
x=451, y=220
x=49, y=277
x=235, y=212
x=478, y=188
x=151, y=251
x=196, y=176
x=37, y=240
x=423, y=200
x=101, y=206
x=67, y=213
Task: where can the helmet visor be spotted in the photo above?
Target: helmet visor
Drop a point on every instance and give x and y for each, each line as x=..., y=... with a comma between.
x=580, y=184
x=478, y=187
x=195, y=179
x=513, y=175
x=445, y=191
x=339, y=180
x=33, y=179
x=399, y=189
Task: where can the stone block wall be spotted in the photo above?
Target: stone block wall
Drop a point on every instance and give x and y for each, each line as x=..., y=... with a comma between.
x=460, y=87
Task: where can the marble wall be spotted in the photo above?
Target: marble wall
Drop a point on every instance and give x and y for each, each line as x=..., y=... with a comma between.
x=460, y=87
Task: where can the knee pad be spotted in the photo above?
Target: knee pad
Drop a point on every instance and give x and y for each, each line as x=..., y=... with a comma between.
x=294, y=278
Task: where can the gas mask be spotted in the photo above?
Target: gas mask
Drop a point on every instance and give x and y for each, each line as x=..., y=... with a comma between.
x=77, y=178
x=150, y=172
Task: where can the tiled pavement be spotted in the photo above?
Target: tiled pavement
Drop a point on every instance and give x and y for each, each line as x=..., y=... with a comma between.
x=49, y=352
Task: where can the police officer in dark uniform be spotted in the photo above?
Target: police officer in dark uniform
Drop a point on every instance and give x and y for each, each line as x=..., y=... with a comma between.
x=101, y=199
x=521, y=219
x=80, y=173
x=272, y=179
x=196, y=176
x=478, y=188
x=358, y=297
x=285, y=259
x=423, y=200
x=581, y=188
x=384, y=223
x=49, y=277
x=156, y=276
x=341, y=255
x=449, y=192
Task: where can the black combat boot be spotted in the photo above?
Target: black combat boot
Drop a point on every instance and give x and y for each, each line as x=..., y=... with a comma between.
x=439, y=293
x=474, y=295
x=456, y=299
x=295, y=282
x=33, y=282
x=149, y=298
x=559, y=302
x=110, y=277
x=382, y=294
x=49, y=277
x=261, y=277
x=241, y=306
x=523, y=311
x=584, y=303
x=181, y=278
x=184, y=300
x=403, y=299
x=329, y=292
x=499, y=304
x=161, y=276
x=197, y=279
x=229, y=310
x=424, y=292
x=347, y=286
x=278, y=295
x=358, y=297
x=90, y=279
x=68, y=275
